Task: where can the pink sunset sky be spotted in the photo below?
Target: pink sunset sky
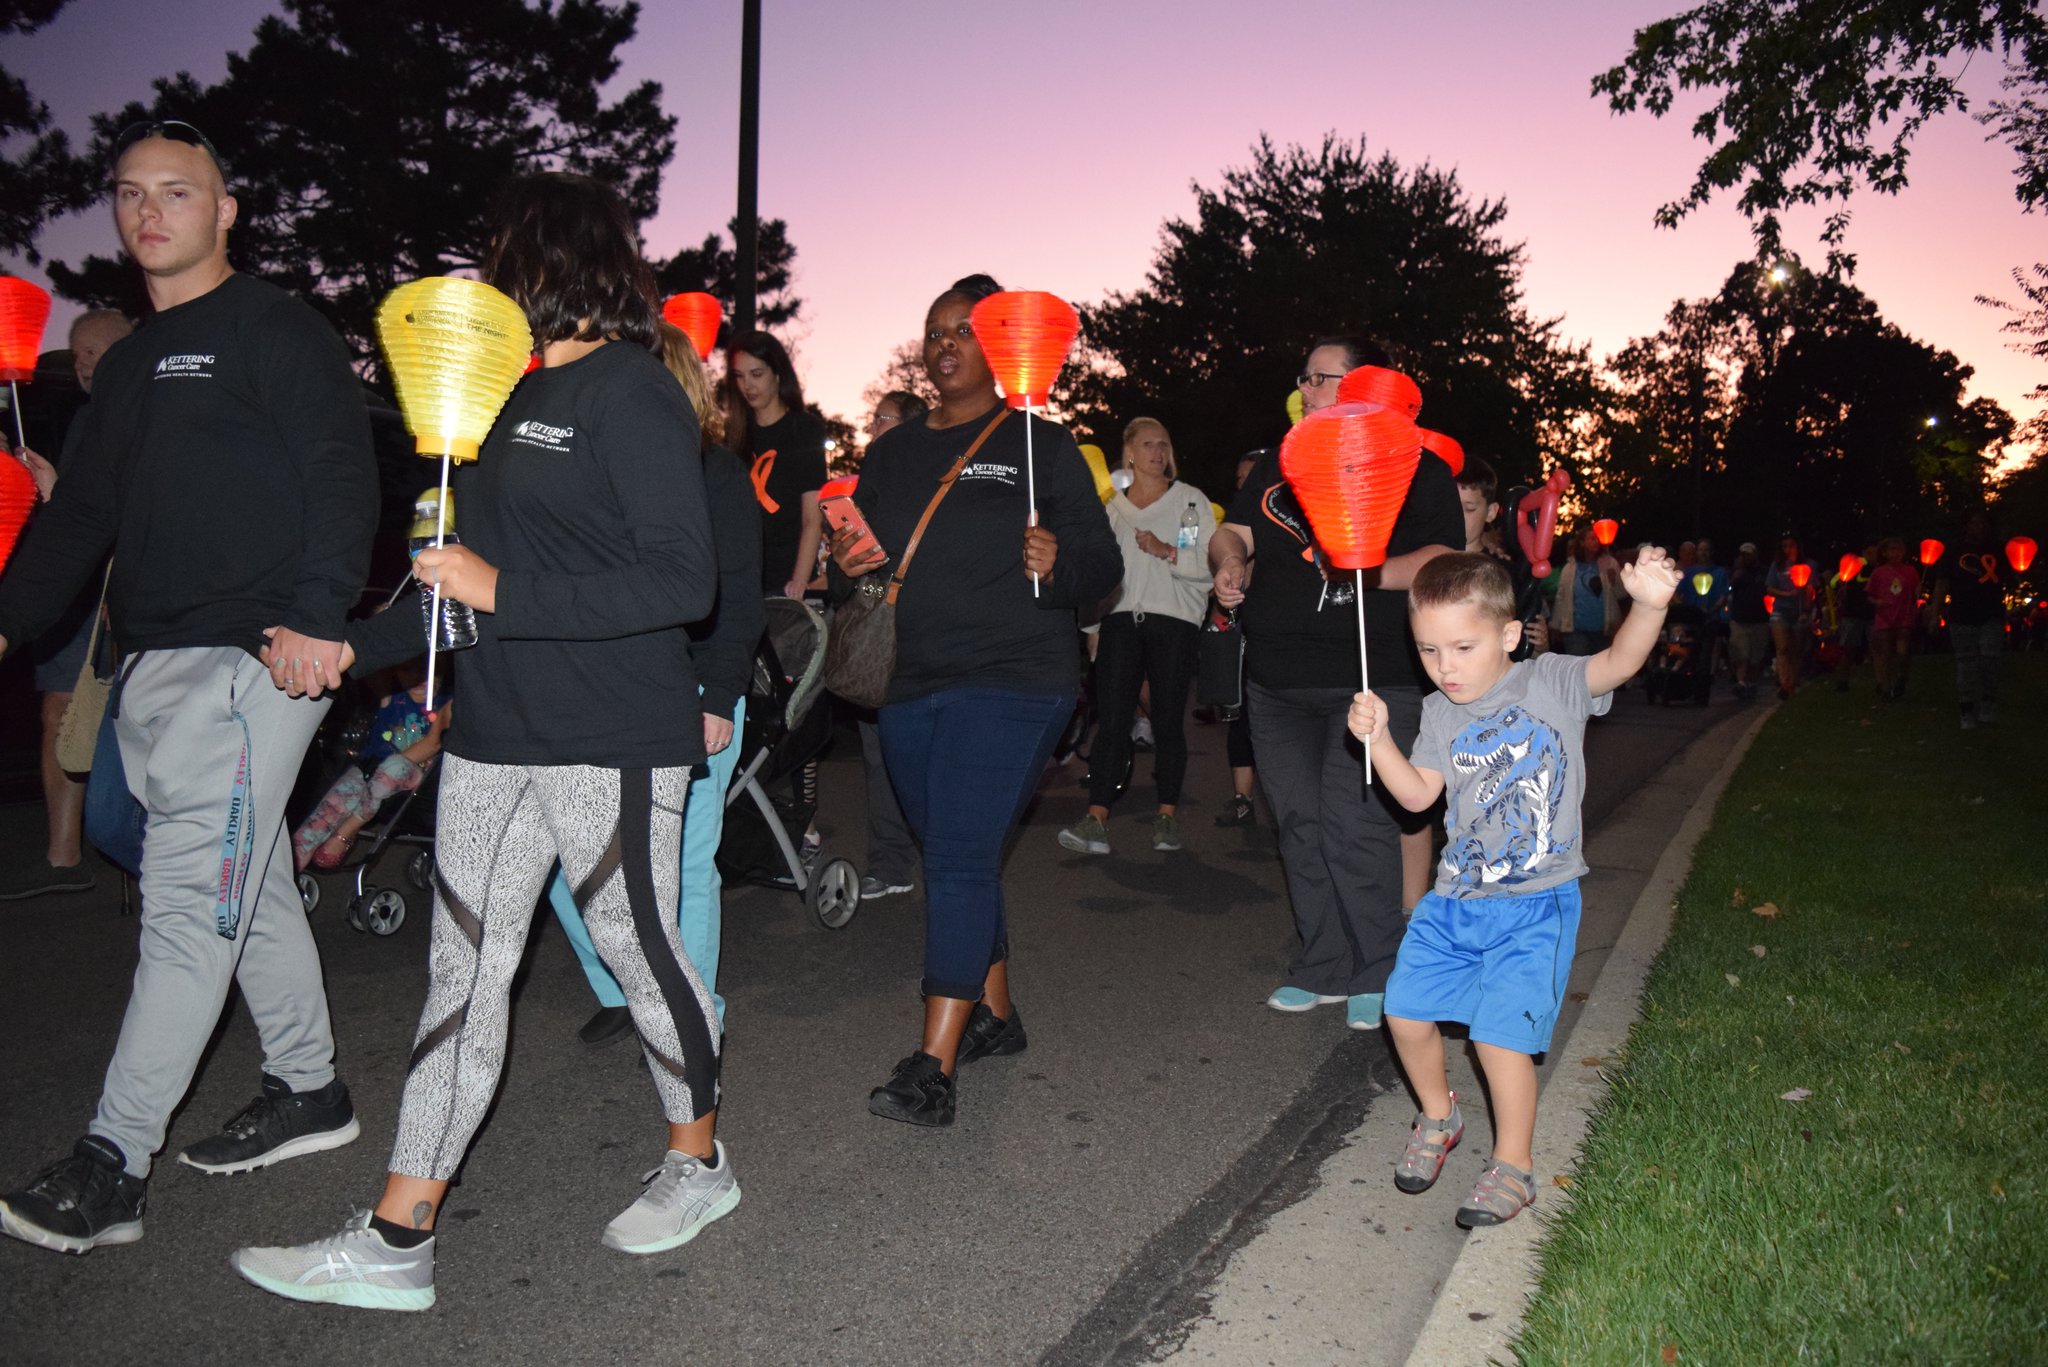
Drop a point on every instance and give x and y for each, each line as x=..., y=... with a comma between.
x=1045, y=142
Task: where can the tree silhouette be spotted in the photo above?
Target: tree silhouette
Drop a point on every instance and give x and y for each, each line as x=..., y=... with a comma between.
x=713, y=267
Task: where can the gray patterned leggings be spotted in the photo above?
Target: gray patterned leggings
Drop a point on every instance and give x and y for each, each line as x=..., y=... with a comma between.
x=499, y=830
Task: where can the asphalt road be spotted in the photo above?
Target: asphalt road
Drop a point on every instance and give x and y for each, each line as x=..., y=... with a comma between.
x=1092, y=1184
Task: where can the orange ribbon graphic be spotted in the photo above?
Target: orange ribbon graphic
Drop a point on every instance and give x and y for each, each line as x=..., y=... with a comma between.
x=764, y=464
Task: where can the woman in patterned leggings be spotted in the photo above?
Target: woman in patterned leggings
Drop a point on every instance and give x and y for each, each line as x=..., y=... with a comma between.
x=586, y=549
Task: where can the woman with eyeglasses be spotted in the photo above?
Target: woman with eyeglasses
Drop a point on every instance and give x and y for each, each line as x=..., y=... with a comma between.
x=986, y=670
x=1339, y=840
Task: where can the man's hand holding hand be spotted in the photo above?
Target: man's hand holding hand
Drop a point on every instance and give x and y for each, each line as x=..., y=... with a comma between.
x=302, y=665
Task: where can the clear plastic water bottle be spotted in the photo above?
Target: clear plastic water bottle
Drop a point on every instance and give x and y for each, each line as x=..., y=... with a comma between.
x=456, y=629
x=1190, y=533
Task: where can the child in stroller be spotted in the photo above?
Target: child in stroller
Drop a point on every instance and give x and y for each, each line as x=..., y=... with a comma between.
x=1681, y=664
x=402, y=738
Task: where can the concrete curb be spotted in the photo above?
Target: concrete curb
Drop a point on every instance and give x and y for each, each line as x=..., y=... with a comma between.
x=1479, y=1311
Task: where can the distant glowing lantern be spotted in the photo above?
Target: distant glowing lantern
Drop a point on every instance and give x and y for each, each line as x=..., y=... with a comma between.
x=1377, y=384
x=1770, y=602
x=1445, y=450
x=1703, y=583
x=1605, y=530
x=24, y=309
x=1851, y=566
x=1217, y=508
x=17, y=501
x=2020, y=551
x=1800, y=575
x=1930, y=551
x=842, y=487
x=1025, y=336
x=698, y=315
x=1294, y=408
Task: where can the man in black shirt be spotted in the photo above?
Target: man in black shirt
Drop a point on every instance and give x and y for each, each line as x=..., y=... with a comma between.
x=226, y=464
x=1970, y=582
x=1339, y=842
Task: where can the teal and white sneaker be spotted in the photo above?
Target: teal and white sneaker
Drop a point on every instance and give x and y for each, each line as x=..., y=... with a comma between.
x=1362, y=1010
x=1298, y=999
x=682, y=1197
x=355, y=1267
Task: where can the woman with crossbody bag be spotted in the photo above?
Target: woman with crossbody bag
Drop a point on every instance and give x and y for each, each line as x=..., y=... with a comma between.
x=984, y=673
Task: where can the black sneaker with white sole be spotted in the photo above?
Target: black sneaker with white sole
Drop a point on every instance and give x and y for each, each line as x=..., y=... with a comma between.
x=277, y=1125
x=79, y=1202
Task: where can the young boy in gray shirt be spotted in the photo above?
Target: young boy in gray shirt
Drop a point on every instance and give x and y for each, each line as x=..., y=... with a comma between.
x=1492, y=945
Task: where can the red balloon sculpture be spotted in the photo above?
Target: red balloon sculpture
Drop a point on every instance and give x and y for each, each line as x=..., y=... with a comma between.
x=1930, y=551
x=1025, y=335
x=1445, y=450
x=1377, y=384
x=17, y=501
x=1800, y=574
x=1541, y=504
x=1350, y=466
x=2020, y=551
x=1851, y=566
x=1605, y=530
x=24, y=309
x=698, y=315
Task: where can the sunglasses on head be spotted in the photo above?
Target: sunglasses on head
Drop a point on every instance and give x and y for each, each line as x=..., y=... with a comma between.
x=176, y=130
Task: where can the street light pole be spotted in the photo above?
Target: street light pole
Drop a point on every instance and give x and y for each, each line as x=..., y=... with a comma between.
x=746, y=231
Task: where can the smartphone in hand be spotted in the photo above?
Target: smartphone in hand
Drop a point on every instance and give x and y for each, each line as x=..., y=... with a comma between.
x=840, y=513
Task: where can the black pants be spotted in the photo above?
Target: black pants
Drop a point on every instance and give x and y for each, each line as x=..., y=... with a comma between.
x=892, y=851
x=1138, y=648
x=1340, y=843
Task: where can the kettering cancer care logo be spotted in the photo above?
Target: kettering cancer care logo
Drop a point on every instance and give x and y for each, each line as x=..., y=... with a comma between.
x=546, y=438
x=190, y=366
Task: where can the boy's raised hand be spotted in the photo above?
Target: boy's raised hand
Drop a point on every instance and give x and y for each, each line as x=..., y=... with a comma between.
x=1652, y=579
x=1367, y=718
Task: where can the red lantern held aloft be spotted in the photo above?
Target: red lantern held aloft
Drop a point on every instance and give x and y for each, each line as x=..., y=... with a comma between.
x=1025, y=335
x=24, y=309
x=1605, y=530
x=2020, y=551
x=1851, y=566
x=1930, y=551
x=1445, y=450
x=698, y=315
x=17, y=501
x=1377, y=384
x=1800, y=574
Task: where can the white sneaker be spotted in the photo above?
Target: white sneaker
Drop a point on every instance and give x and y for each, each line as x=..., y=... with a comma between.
x=682, y=1197
x=355, y=1267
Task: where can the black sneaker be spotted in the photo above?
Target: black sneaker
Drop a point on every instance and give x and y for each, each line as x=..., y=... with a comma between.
x=917, y=1093
x=610, y=1023
x=78, y=1203
x=39, y=877
x=277, y=1125
x=988, y=1034
x=1239, y=813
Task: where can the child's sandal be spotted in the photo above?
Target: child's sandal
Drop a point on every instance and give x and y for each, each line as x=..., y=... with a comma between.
x=1430, y=1141
x=1501, y=1193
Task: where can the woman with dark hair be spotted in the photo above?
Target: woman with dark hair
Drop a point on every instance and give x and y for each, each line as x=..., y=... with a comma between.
x=586, y=549
x=986, y=670
x=784, y=450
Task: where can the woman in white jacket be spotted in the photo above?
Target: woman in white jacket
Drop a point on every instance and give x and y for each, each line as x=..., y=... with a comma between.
x=1149, y=629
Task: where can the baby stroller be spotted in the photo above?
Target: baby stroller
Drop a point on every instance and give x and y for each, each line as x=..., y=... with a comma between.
x=786, y=725
x=406, y=818
x=1681, y=665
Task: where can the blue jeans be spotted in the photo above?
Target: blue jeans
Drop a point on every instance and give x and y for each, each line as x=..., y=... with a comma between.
x=965, y=762
x=698, y=908
x=113, y=818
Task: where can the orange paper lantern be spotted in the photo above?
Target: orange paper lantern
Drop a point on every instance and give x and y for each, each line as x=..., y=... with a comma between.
x=842, y=487
x=1350, y=465
x=1025, y=335
x=1445, y=450
x=24, y=309
x=1377, y=384
x=1770, y=602
x=1930, y=551
x=1800, y=574
x=17, y=501
x=2020, y=551
x=1851, y=566
x=698, y=315
x=1605, y=530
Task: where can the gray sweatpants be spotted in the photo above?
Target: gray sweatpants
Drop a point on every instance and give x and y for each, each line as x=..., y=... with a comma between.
x=211, y=750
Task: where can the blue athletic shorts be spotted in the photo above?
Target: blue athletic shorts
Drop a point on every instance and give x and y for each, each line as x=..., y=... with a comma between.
x=1498, y=964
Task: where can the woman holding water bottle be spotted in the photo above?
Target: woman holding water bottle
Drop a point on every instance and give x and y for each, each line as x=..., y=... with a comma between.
x=1148, y=634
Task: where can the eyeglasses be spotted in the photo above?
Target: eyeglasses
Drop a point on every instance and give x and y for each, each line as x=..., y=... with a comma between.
x=176, y=130
x=1315, y=378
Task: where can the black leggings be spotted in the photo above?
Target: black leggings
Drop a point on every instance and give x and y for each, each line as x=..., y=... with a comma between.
x=1140, y=648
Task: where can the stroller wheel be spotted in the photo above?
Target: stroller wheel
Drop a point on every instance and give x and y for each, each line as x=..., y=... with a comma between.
x=834, y=893
x=309, y=891
x=384, y=913
x=419, y=870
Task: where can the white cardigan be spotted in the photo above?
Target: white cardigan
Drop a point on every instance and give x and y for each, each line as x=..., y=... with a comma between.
x=1173, y=588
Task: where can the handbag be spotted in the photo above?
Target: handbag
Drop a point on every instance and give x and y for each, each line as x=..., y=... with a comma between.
x=79, y=731
x=860, y=649
x=1219, y=660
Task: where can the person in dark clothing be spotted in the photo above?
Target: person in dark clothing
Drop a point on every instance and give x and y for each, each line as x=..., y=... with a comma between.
x=1969, y=580
x=986, y=670
x=226, y=464
x=1749, y=620
x=892, y=849
x=1339, y=840
x=587, y=549
x=783, y=448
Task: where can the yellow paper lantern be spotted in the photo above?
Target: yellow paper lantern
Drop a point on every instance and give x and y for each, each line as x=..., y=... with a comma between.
x=456, y=348
x=1098, y=466
x=1217, y=508
x=1294, y=408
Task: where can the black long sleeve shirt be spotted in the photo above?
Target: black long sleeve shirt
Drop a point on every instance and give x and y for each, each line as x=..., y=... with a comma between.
x=966, y=615
x=226, y=461
x=722, y=645
x=588, y=498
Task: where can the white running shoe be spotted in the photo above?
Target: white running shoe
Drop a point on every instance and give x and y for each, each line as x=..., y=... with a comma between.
x=355, y=1267
x=682, y=1197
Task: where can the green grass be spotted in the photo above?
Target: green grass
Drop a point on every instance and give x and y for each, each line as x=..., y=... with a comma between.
x=1897, y=1215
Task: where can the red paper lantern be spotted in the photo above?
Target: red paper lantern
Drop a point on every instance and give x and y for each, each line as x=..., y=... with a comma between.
x=1605, y=530
x=1025, y=335
x=24, y=308
x=2020, y=551
x=697, y=314
x=1445, y=450
x=1851, y=566
x=842, y=487
x=1930, y=551
x=532, y=364
x=1770, y=602
x=17, y=501
x=1350, y=465
x=1377, y=384
x=1800, y=575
